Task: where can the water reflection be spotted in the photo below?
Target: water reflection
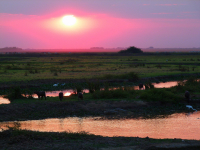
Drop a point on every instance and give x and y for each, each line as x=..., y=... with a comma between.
x=166, y=84
x=4, y=100
x=68, y=92
x=175, y=126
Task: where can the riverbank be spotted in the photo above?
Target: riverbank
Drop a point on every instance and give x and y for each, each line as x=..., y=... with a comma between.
x=106, y=109
x=23, y=139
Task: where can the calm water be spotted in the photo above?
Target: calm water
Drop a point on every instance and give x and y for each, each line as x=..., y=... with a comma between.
x=184, y=126
x=70, y=91
x=4, y=100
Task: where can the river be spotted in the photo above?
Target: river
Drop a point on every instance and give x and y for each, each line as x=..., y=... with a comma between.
x=183, y=126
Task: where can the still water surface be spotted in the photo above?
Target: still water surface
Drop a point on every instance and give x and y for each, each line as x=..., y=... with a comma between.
x=184, y=126
x=68, y=92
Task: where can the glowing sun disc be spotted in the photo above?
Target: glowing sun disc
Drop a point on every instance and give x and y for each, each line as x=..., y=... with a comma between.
x=69, y=20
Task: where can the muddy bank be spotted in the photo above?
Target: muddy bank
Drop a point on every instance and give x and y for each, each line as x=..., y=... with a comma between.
x=104, y=109
x=26, y=140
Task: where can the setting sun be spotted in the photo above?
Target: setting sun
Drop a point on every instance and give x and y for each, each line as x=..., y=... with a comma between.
x=69, y=20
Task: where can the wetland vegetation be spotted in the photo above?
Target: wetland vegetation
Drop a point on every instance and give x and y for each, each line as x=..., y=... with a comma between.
x=26, y=73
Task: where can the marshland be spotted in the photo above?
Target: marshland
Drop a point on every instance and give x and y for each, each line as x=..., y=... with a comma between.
x=110, y=79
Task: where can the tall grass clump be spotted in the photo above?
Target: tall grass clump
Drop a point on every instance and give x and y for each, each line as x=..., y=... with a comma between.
x=14, y=93
x=131, y=76
x=192, y=84
x=180, y=87
x=93, y=86
x=110, y=94
x=149, y=85
x=78, y=88
x=161, y=95
x=27, y=93
x=122, y=92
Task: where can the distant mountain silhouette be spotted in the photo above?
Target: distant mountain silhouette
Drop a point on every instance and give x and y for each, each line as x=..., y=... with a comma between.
x=131, y=50
x=10, y=49
x=96, y=48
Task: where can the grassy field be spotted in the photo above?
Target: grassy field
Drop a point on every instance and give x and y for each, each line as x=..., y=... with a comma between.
x=27, y=67
x=43, y=70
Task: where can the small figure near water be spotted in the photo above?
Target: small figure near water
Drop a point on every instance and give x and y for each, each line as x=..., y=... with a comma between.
x=40, y=94
x=61, y=96
x=80, y=95
x=187, y=96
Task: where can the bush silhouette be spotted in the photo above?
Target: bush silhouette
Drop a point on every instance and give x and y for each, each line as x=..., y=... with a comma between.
x=132, y=50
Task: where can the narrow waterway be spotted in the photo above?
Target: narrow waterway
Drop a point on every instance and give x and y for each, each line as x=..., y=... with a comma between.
x=184, y=126
x=68, y=92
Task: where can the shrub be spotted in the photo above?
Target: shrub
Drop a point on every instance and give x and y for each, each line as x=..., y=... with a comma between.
x=149, y=85
x=14, y=93
x=180, y=86
x=109, y=94
x=132, y=76
x=131, y=50
x=191, y=81
x=192, y=84
x=162, y=95
x=93, y=86
x=27, y=93
x=78, y=88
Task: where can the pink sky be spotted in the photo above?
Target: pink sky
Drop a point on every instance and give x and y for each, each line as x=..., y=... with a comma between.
x=38, y=24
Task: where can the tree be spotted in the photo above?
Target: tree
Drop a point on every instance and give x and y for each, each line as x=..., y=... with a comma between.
x=131, y=49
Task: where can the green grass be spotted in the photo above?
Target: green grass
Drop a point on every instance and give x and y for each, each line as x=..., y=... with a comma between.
x=66, y=66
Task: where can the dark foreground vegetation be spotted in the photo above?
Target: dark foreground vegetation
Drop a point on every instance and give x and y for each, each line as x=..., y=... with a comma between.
x=16, y=139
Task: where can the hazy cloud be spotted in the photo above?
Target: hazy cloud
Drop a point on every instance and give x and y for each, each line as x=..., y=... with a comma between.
x=169, y=4
x=162, y=13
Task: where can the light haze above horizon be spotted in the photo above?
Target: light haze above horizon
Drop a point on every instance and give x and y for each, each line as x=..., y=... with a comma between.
x=82, y=24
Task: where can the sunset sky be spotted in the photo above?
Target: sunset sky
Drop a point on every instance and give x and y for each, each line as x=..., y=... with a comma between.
x=41, y=24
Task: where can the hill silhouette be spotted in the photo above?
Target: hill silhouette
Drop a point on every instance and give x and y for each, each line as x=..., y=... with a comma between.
x=10, y=49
